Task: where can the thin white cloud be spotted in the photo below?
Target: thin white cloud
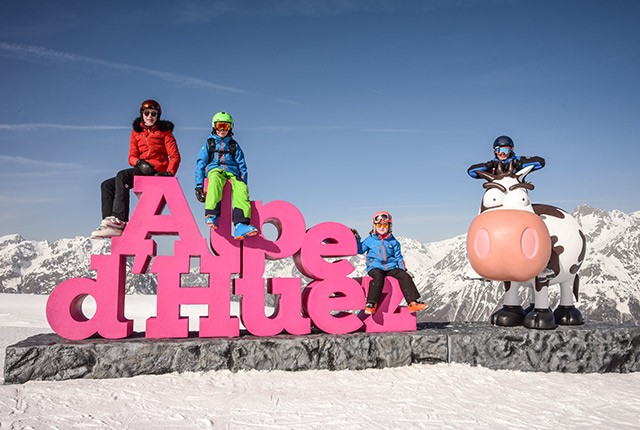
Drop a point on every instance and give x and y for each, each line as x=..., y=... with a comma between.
x=288, y=102
x=29, y=200
x=419, y=206
x=196, y=128
x=34, y=126
x=328, y=7
x=195, y=11
x=39, y=53
x=392, y=130
x=287, y=128
x=8, y=159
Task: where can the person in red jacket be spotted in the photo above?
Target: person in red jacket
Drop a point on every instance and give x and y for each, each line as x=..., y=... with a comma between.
x=152, y=151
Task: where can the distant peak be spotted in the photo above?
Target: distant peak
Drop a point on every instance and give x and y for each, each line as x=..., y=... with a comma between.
x=11, y=238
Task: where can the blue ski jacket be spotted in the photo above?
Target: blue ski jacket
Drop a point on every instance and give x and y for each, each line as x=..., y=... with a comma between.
x=220, y=159
x=381, y=253
x=520, y=162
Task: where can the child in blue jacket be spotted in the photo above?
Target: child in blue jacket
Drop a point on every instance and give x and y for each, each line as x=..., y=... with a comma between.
x=222, y=159
x=384, y=258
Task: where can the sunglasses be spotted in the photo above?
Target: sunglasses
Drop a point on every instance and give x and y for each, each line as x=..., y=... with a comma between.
x=382, y=224
x=503, y=150
x=382, y=219
x=223, y=126
x=151, y=113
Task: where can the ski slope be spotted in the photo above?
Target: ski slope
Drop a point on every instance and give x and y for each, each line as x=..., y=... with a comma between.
x=422, y=396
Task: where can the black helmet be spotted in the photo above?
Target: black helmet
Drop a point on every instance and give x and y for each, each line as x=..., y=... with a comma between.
x=502, y=141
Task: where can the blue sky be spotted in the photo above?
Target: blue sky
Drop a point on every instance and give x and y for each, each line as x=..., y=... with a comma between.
x=342, y=107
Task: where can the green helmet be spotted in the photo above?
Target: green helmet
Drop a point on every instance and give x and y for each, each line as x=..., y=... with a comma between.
x=221, y=117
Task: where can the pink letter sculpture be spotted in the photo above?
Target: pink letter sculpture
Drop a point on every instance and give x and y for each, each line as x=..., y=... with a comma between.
x=332, y=301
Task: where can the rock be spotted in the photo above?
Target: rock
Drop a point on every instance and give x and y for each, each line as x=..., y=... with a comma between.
x=593, y=347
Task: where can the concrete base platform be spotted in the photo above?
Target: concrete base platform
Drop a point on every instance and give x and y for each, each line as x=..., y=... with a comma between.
x=593, y=347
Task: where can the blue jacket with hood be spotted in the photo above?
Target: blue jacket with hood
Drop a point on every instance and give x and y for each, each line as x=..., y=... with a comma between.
x=220, y=160
x=381, y=253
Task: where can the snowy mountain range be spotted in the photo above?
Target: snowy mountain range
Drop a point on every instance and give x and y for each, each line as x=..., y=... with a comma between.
x=609, y=277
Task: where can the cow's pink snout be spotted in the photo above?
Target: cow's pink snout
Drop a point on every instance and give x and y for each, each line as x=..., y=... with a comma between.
x=508, y=245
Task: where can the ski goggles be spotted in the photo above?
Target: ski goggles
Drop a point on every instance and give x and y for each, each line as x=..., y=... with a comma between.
x=503, y=150
x=222, y=126
x=382, y=219
x=151, y=113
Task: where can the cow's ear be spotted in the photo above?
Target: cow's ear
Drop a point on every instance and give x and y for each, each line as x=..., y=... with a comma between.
x=524, y=172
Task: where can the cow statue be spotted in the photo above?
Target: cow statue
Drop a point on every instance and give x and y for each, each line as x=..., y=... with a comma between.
x=522, y=244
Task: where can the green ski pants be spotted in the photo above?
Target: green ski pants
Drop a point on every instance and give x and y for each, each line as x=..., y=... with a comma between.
x=240, y=196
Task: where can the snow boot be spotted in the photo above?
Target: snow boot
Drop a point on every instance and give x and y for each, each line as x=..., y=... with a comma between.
x=244, y=230
x=211, y=221
x=416, y=306
x=105, y=232
x=370, y=308
x=113, y=221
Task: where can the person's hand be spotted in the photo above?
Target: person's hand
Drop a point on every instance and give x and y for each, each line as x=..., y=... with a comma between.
x=164, y=174
x=145, y=167
x=355, y=232
x=200, y=194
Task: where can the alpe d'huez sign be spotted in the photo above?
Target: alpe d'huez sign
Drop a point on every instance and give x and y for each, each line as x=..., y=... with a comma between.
x=331, y=301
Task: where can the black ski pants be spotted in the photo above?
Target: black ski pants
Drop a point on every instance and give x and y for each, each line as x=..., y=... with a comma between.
x=115, y=194
x=407, y=285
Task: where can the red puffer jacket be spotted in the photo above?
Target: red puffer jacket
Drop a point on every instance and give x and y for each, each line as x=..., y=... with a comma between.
x=155, y=145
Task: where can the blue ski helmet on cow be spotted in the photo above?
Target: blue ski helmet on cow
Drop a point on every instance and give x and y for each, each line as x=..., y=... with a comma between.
x=152, y=105
x=502, y=141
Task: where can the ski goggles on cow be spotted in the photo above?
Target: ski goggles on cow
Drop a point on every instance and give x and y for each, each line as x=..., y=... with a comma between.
x=222, y=126
x=151, y=113
x=504, y=150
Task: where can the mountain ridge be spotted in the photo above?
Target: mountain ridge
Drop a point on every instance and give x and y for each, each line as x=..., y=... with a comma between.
x=609, y=276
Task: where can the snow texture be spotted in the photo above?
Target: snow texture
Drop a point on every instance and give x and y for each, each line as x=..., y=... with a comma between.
x=443, y=396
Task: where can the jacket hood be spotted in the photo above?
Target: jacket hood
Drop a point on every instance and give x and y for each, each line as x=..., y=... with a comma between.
x=162, y=125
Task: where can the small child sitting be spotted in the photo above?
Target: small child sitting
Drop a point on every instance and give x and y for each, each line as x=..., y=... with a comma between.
x=222, y=159
x=384, y=258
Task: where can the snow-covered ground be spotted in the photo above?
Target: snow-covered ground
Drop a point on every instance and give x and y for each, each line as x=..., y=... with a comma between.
x=425, y=396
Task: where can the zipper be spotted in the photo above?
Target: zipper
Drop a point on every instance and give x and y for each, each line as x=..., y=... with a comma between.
x=221, y=160
x=384, y=253
x=146, y=140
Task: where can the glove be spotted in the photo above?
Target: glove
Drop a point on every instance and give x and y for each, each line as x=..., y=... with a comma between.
x=164, y=174
x=200, y=194
x=355, y=232
x=145, y=167
x=490, y=166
